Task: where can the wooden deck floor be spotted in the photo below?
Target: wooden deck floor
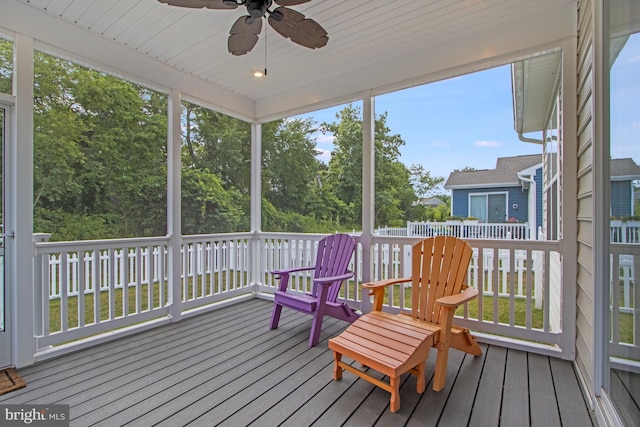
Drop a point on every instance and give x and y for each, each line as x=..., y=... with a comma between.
x=227, y=368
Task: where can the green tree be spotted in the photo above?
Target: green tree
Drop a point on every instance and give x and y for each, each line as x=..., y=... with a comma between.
x=423, y=183
x=394, y=194
x=217, y=153
x=289, y=164
x=207, y=206
x=99, y=153
x=6, y=66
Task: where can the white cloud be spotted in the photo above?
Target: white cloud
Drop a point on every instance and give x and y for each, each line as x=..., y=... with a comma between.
x=324, y=156
x=487, y=144
x=324, y=139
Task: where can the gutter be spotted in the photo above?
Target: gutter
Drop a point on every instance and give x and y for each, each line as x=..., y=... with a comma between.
x=525, y=139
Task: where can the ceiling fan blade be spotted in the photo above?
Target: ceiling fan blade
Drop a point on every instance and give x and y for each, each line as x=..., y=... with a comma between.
x=303, y=31
x=290, y=2
x=199, y=4
x=243, y=35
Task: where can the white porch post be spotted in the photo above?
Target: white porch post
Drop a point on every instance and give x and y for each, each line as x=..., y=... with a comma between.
x=368, y=192
x=256, y=203
x=20, y=206
x=568, y=242
x=174, y=212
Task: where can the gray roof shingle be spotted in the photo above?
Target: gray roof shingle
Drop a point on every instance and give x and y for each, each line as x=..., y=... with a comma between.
x=506, y=172
x=507, y=168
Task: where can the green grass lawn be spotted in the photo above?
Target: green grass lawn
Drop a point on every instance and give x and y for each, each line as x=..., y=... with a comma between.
x=219, y=283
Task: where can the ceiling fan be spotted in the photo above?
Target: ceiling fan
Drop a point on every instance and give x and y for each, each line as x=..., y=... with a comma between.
x=243, y=35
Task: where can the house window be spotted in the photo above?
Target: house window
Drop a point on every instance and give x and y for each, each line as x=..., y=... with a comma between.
x=491, y=207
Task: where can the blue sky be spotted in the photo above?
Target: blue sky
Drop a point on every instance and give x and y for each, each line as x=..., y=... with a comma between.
x=451, y=124
x=625, y=102
x=468, y=120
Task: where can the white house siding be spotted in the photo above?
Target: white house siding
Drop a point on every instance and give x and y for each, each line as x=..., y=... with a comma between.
x=585, y=237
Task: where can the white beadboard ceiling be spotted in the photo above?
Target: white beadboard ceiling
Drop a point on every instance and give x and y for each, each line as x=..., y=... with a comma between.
x=374, y=45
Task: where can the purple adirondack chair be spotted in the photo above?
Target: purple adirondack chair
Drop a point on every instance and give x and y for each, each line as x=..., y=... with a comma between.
x=332, y=261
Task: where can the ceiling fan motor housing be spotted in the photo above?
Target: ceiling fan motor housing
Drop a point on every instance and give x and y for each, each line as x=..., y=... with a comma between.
x=257, y=8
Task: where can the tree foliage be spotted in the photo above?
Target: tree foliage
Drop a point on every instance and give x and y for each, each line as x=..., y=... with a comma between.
x=100, y=163
x=6, y=67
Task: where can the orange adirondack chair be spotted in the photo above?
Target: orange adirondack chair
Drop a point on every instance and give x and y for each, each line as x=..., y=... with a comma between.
x=396, y=344
x=331, y=269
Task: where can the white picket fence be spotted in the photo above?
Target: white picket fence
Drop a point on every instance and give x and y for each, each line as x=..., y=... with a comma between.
x=138, y=269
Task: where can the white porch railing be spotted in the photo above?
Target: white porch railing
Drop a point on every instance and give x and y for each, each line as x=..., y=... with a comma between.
x=625, y=301
x=521, y=287
x=463, y=229
x=625, y=232
x=132, y=280
x=519, y=292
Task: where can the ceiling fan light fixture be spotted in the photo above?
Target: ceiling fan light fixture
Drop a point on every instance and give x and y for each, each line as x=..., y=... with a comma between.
x=260, y=73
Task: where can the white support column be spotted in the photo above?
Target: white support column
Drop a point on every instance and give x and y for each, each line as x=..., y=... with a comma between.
x=174, y=211
x=568, y=241
x=256, y=202
x=601, y=208
x=368, y=191
x=20, y=206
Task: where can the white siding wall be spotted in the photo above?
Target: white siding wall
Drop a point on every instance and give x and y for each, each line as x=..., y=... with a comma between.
x=585, y=236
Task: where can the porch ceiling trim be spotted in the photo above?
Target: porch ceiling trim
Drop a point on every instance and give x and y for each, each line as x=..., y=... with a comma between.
x=374, y=47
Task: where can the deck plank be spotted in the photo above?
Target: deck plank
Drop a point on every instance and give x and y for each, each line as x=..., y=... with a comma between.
x=432, y=403
x=542, y=395
x=461, y=400
x=226, y=368
x=486, y=408
x=515, y=393
x=166, y=394
x=572, y=406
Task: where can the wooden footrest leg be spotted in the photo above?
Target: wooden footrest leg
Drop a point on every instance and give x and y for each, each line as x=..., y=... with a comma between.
x=337, y=370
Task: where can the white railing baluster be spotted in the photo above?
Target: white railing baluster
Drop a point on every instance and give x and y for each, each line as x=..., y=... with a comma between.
x=213, y=268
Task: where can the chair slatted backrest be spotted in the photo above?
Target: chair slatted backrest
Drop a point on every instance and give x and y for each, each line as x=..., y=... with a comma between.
x=439, y=268
x=334, y=254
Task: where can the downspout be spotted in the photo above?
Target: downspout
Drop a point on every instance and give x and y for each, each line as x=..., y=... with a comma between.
x=525, y=139
x=532, y=213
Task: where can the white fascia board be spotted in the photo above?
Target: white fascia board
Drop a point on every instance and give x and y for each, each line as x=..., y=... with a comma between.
x=531, y=170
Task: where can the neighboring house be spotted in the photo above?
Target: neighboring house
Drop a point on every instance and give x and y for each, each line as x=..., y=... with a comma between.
x=513, y=190
x=623, y=173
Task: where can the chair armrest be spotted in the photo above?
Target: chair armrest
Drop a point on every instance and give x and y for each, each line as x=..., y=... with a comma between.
x=455, y=300
x=325, y=281
x=377, y=290
x=383, y=283
x=283, y=276
x=291, y=270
